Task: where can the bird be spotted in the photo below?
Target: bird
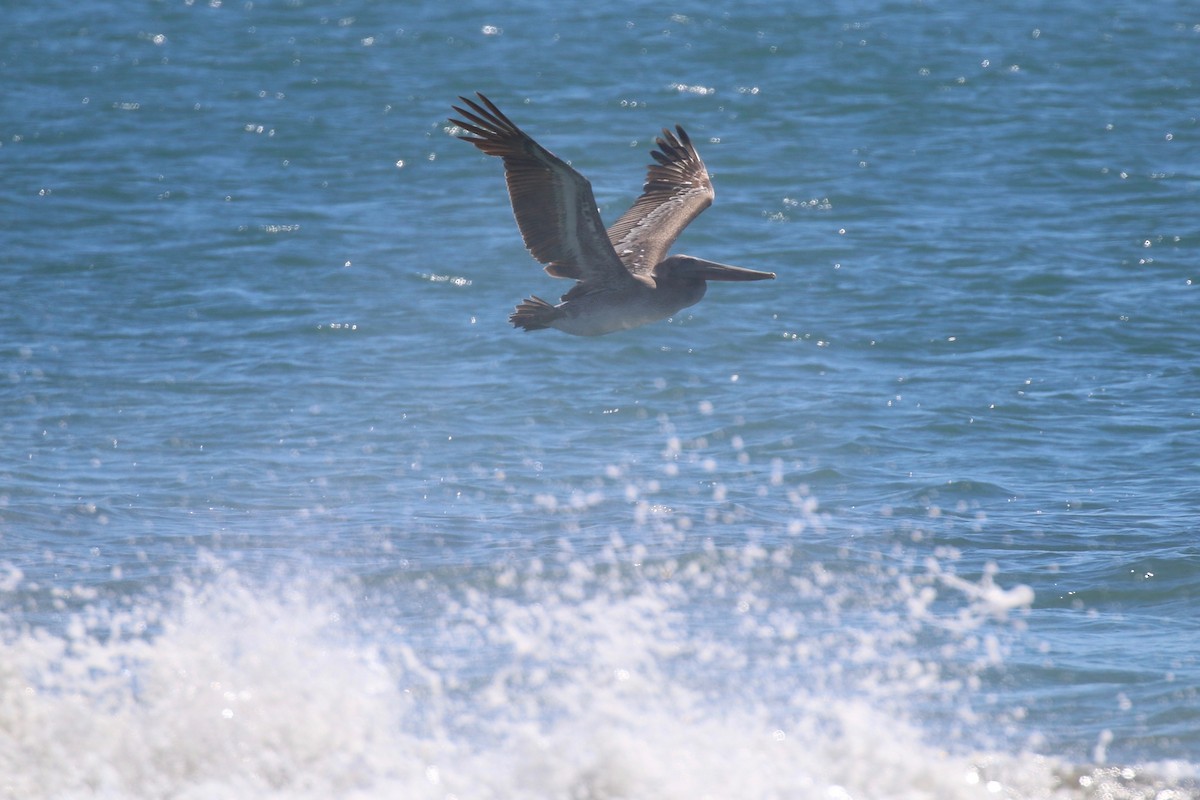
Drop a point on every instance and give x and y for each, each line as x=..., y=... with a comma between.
x=624, y=277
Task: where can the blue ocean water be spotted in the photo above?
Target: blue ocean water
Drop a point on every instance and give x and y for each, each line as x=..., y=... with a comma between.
x=288, y=510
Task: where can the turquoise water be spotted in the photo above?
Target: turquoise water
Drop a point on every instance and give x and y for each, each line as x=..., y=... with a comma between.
x=288, y=510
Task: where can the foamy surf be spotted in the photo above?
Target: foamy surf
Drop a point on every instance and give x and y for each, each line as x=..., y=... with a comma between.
x=567, y=680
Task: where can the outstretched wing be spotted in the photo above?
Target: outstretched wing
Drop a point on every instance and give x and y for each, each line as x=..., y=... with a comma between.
x=553, y=204
x=677, y=189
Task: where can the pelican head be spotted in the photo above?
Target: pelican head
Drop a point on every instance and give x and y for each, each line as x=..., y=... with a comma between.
x=689, y=269
x=680, y=281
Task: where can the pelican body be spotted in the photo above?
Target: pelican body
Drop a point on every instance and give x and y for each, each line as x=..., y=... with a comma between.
x=623, y=275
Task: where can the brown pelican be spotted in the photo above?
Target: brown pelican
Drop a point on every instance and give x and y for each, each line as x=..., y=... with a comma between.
x=624, y=277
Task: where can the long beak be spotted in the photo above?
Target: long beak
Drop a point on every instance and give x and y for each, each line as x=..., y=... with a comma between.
x=693, y=267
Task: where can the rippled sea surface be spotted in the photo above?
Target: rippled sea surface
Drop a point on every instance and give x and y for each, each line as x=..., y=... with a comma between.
x=288, y=510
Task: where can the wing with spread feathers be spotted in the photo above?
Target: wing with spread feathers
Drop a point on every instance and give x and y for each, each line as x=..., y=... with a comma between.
x=553, y=204
x=677, y=189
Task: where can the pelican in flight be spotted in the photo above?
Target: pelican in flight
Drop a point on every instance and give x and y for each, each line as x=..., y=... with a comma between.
x=623, y=276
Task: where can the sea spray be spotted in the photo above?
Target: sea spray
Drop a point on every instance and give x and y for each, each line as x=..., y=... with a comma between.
x=613, y=677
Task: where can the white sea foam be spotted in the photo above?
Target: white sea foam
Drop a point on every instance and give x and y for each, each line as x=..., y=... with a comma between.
x=571, y=682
